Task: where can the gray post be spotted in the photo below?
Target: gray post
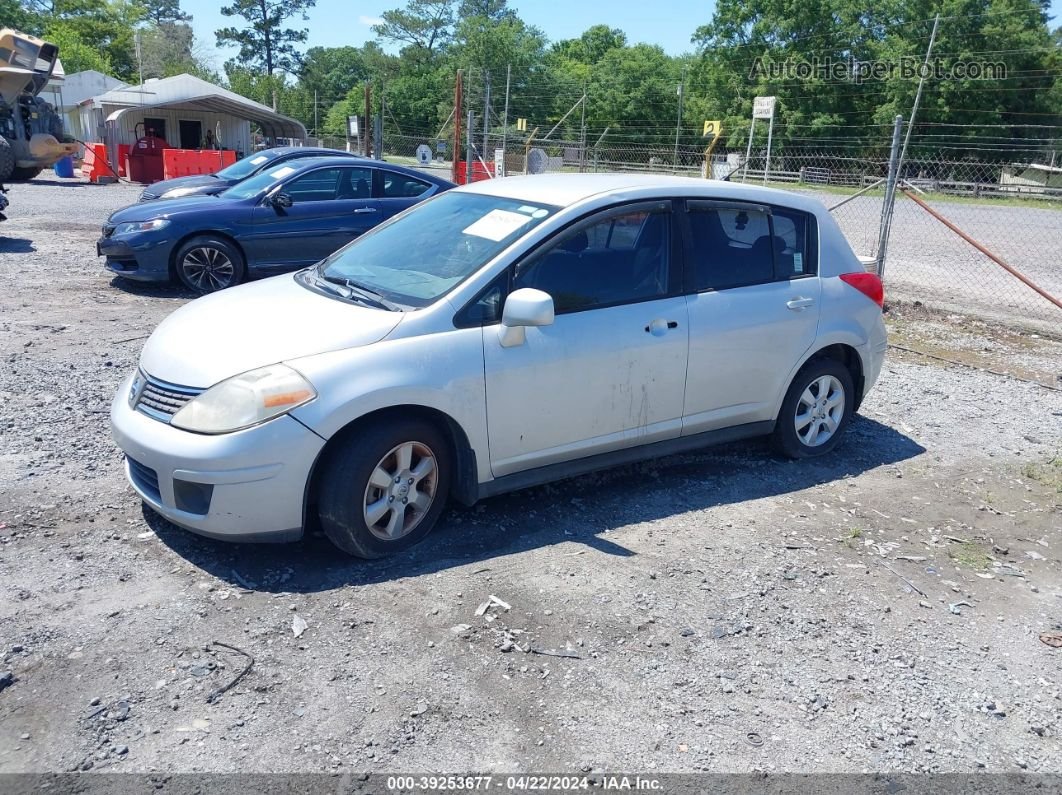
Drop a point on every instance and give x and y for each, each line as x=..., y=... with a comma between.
x=678, y=123
x=918, y=93
x=505, y=117
x=486, y=116
x=748, y=151
x=582, y=134
x=468, y=150
x=890, y=195
x=770, y=135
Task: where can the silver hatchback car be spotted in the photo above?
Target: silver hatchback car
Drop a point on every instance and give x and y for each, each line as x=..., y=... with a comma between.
x=502, y=335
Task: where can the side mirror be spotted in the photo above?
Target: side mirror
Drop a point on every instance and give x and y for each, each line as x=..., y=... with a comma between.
x=524, y=307
x=281, y=201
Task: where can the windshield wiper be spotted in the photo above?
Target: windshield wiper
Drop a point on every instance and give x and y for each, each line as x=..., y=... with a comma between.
x=362, y=293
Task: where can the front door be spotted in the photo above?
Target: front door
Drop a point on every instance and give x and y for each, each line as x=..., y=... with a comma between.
x=329, y=208
x=753, y=308
x=609, y=372
x=191, y=133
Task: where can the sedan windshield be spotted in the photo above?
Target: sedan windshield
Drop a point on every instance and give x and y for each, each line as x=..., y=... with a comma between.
x=259, y=183
x=425, y=253
x=247, y=166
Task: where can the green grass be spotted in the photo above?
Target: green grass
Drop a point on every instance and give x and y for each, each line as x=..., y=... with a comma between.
x=1048, y=473
x=970, y=555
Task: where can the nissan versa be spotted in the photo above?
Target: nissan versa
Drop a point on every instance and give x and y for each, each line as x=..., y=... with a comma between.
x=497, y=336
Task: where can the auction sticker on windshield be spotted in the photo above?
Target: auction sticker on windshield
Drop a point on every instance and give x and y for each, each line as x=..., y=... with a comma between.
x=496, y=225
x=282, y=172
x=260, y=159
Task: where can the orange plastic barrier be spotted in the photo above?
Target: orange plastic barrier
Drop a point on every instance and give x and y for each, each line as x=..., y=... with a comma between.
x=480, y=172
x=94, y=165
x=188, y=162
x=123, y=153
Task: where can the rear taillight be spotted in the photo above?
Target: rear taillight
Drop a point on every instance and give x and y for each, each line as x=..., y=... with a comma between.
x=868, y=284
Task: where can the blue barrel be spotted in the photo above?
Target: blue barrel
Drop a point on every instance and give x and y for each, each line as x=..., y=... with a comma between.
x=64, y=167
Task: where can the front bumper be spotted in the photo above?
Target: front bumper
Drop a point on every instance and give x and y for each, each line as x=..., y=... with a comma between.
x=136, y=257
x=244, y=486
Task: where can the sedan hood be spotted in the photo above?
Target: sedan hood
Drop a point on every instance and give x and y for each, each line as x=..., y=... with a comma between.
x=230, y=332
x=147, y=211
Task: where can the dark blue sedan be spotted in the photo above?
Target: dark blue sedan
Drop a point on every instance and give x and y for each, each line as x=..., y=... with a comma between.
x=284, y=218
x=209, y=184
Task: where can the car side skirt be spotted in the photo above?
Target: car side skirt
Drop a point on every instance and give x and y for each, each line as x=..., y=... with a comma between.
x=628, y=455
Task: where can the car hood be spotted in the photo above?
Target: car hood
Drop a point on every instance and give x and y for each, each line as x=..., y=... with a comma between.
x=194, y=181
x=230, y=332
x=169, y=208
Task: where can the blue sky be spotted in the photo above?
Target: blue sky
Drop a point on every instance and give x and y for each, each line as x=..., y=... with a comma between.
x=336, y=23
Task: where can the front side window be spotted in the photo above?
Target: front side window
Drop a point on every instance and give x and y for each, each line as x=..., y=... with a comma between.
x=738, y=246
x=422, y=254
x=621, y=258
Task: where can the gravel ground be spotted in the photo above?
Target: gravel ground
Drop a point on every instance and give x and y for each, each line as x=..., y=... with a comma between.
x=877, y=610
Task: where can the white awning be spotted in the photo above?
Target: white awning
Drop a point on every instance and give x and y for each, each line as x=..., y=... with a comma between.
x=273, y=125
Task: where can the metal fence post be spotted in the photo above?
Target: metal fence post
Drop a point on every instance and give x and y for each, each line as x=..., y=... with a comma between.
x=890, y=195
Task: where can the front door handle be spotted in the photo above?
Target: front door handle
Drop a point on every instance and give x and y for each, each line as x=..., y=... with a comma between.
x=797, y=304
x=365, y=210
x=659, y=326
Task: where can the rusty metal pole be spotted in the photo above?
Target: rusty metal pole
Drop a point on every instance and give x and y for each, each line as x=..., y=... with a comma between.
x=457, y=127
x=368, y=119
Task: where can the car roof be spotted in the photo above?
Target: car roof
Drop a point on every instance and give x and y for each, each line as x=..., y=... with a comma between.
x=339, y=160
x=564, y=190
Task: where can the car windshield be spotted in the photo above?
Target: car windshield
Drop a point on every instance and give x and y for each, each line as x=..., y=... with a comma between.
x=424, y=253
x=247, y=166
x=259, y=183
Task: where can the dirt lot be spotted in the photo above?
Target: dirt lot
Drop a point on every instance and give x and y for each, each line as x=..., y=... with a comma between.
x=879, y=610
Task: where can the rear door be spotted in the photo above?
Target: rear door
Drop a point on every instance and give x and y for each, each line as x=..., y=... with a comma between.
x=330, y=207
x=753, y=308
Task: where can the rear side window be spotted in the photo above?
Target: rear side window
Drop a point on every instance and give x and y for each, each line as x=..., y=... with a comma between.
x=739, y=247
x=401, y=186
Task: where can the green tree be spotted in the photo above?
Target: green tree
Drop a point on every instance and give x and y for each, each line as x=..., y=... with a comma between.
x=265, y=43
x=162, y=12
x=424, y=27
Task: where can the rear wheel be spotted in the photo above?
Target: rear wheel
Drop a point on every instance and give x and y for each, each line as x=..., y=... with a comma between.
x=207, y=264
x=816, y=410
x=385, y=489
x=7, y=159
x=21, y=174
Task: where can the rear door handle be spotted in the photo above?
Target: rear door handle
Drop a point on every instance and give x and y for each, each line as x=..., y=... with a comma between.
x=797, y=304
x=365, y=210
x=659, y=326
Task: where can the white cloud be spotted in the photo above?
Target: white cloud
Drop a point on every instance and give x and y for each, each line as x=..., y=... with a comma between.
x=370, y=21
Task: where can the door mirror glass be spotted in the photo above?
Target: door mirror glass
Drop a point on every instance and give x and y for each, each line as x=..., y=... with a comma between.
x=281, y=201
x=527, y=307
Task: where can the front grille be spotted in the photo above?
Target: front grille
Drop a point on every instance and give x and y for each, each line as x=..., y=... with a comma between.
x=161, y=400
x=144, y=477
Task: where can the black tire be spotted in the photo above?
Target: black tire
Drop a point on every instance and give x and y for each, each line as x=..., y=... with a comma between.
x=7, y=160
x=208, y=263
x=347, y=495
x=794, y=443
x=25, y=174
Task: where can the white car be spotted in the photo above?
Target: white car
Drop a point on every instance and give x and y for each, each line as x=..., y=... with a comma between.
x=509, y=333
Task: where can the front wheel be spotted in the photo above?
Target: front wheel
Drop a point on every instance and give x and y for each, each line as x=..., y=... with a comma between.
x=816, y=410
x=25, y=173
x=208, y=264
x=385, y=489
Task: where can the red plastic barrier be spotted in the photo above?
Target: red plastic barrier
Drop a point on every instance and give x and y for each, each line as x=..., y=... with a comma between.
x=94, y=164
x=187, y=162
x=480, y=172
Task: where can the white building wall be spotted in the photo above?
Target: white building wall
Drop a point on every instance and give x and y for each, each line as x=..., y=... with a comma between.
x=235, y=133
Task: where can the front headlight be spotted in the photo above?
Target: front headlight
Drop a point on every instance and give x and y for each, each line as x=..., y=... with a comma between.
x=177, y=193
x=245, y=400
x=141, y=226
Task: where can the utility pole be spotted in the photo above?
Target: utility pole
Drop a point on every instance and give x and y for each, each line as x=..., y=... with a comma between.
x=368, y=119
x=505, y=121
x=456, y=155
x=316, y=129
x=486, y=114
x=918, y=93
x=582, y=134
x=678, y=124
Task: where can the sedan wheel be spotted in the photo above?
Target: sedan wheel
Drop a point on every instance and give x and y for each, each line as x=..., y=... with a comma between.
x=206, y=265
x=383, y=486
x=816, y=410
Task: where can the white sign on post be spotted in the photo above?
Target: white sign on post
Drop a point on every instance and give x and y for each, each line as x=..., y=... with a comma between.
x=763, y=107
x=352, y=126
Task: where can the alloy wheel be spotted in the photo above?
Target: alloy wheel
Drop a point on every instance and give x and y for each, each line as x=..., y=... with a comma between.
x=819, y=411
x=208, y=269
x=400, y=491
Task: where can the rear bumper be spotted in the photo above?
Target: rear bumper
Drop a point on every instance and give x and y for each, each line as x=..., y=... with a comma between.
x=244, y=486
